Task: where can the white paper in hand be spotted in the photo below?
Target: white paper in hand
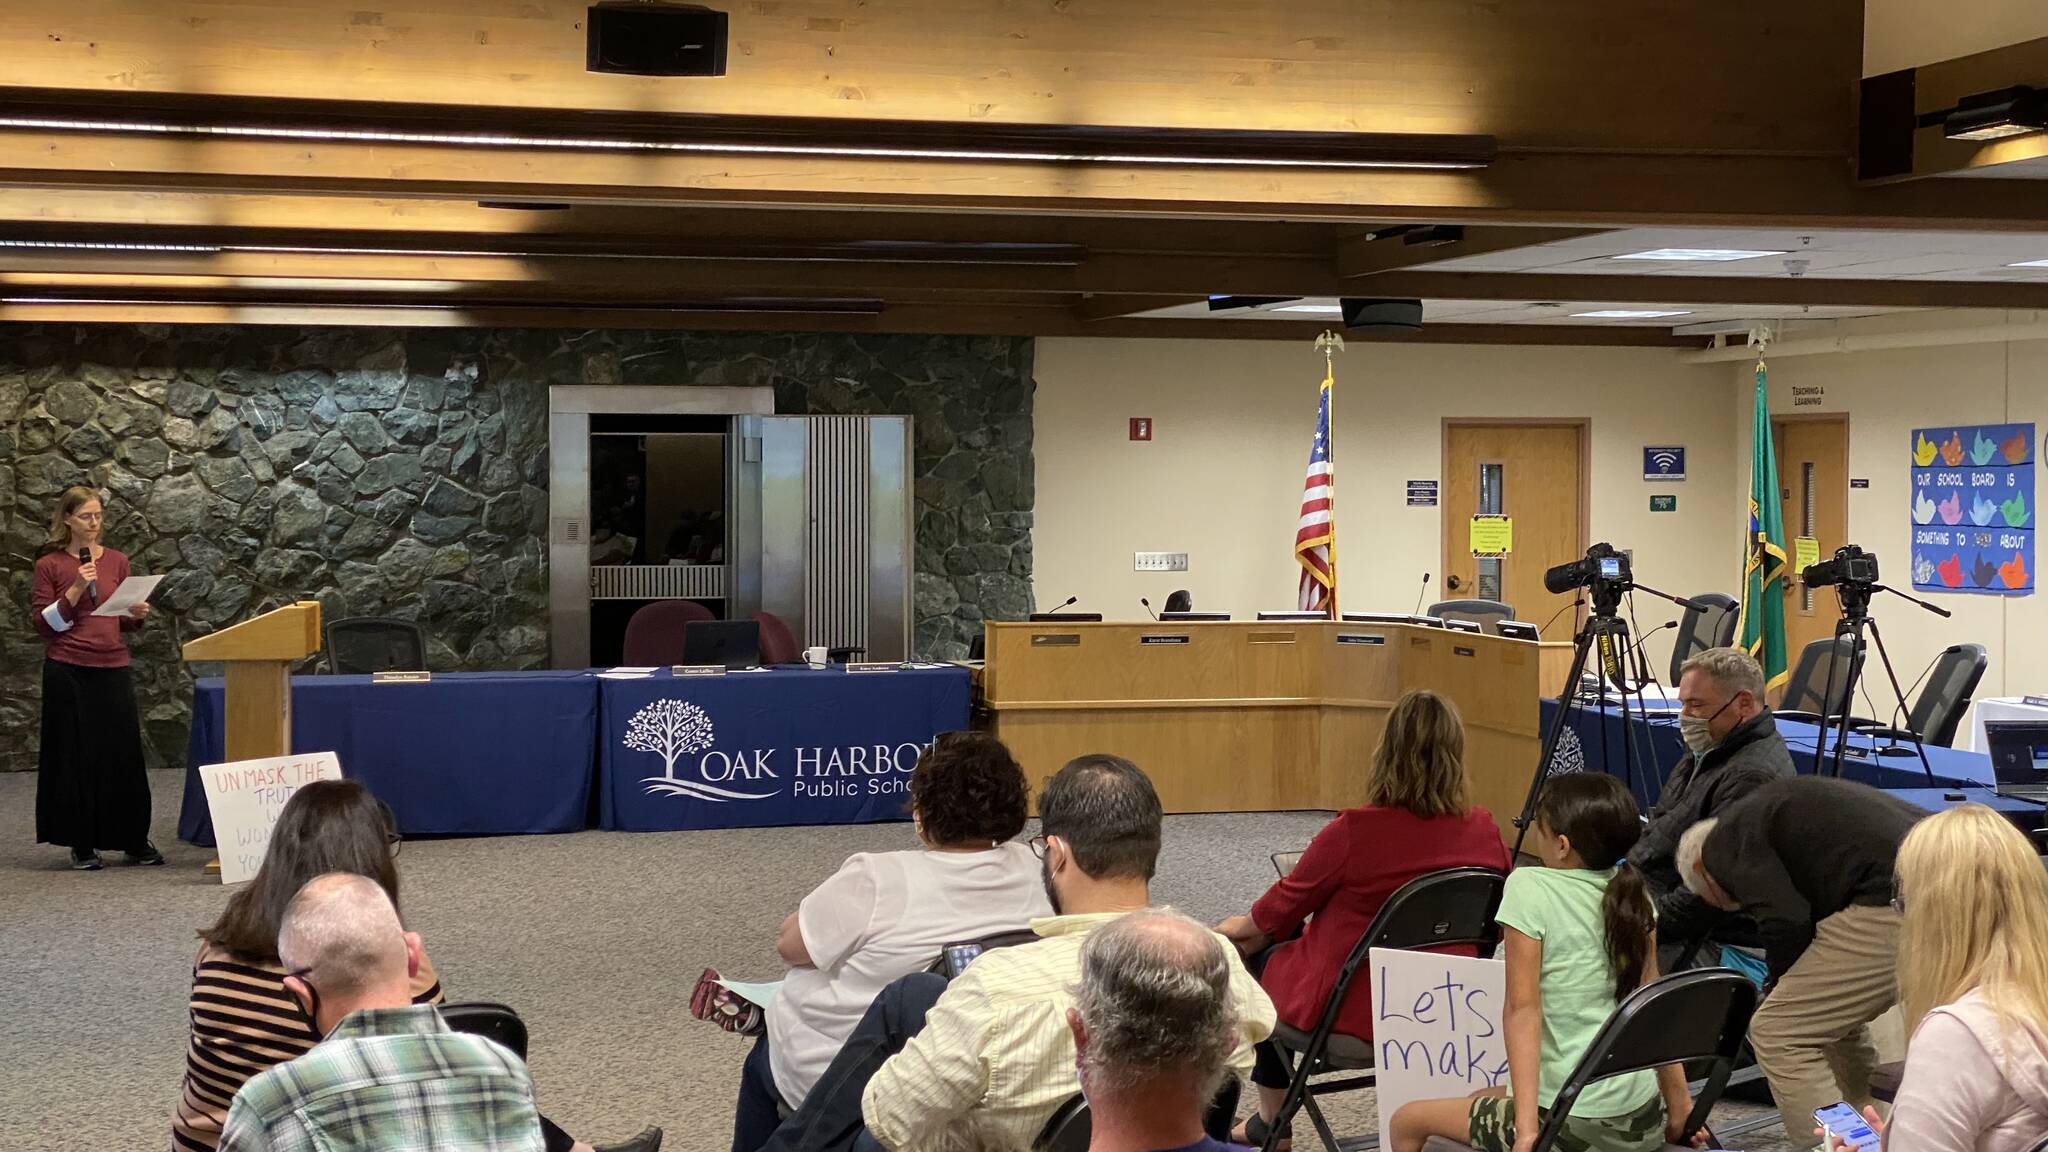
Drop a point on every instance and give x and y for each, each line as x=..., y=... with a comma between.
x=132, y=591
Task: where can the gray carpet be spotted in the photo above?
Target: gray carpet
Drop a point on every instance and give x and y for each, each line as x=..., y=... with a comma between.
x=596, y=938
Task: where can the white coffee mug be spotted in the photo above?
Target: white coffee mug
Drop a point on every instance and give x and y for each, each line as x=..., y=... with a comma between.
x=815, y=657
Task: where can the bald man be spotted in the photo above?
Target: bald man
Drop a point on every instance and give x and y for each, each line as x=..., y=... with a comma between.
x=389, y=1076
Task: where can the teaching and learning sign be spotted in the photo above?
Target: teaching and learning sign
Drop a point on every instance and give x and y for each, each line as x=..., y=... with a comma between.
x=1973, y=509
x=245, y=797
x=1438, y=1027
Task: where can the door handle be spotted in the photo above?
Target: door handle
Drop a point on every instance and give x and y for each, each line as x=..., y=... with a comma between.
x=1451, y=582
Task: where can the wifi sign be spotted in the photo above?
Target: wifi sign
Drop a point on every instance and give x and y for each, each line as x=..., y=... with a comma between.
x=1664, y=462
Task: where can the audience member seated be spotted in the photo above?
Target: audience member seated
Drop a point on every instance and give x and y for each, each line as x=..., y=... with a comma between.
x=1417, y=818
x=243, y=1018
x=1733, y=749
x=992, y=1049
x=1973, y=978
x=887, y=914
x=1810, y=858
x=1581, y=935
x=1154, y=1027
x=389, y=1075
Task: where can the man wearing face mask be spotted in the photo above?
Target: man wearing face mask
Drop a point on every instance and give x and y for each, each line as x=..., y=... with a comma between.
x=992, y=1051
x=1733, y=749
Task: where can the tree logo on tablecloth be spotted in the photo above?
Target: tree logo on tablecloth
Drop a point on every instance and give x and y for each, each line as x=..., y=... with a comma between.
x=673, y=729
x=1569, y=756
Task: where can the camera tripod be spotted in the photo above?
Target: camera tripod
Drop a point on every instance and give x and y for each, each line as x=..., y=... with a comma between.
x=1608, y=632
x=1856, y=620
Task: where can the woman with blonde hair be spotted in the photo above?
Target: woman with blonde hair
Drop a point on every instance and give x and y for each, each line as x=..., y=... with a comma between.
x=1417, y=817
x=1973, y=981
x=91, y=790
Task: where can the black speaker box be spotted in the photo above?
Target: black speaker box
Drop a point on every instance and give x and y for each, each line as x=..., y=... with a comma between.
x=1383, y=315
x=636, y=39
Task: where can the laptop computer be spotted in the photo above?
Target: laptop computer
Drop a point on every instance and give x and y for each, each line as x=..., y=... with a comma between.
x=2019, y=758
x=733, y=643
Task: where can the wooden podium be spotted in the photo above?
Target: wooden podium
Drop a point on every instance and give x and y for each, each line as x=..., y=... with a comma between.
x=259, y=655
x=1259, y=717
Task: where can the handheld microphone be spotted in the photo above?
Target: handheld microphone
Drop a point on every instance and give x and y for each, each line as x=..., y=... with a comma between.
x=1148, y=607
x=92, y=587
x=1422, y=592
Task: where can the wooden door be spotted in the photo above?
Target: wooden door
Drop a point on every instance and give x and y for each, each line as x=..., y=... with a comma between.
x=1531, y=473
x=1813, y=490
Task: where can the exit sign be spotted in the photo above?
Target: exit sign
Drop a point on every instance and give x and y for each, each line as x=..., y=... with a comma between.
x=1663, y=503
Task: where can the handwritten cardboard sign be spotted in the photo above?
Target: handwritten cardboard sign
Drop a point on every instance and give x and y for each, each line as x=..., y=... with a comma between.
x=245, y=797
x=1438, y=1025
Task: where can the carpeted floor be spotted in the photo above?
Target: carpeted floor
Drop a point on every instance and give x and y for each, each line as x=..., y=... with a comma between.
x=595, y=938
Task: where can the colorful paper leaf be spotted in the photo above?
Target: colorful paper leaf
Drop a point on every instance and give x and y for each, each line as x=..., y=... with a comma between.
x=1952, y=450
x=2014, y=571
x=2015, y=510
x=1923, y=509
x=1951, y=571
x=2014, y=450
x=1923, y=451
x=1982, y=449
x=1982, y=511
x=1951, y=509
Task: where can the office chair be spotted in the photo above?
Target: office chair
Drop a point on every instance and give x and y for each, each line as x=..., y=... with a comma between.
x=369, y=644
x=654, y=634
x=1938, y=711
x=1485, y=613
x=1805, y=698
x=489, y=1020
x=1179, y=600
x=778, y=643
x=1712, y=625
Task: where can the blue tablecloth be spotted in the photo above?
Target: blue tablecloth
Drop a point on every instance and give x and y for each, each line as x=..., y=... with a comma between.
x=469, y=753
x=782, y=746
x=1598, y=739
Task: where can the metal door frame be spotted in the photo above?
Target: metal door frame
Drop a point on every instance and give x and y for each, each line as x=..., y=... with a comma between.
x=570, y=407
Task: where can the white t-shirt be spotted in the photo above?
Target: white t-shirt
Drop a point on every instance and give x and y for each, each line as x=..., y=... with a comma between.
x=884, y=915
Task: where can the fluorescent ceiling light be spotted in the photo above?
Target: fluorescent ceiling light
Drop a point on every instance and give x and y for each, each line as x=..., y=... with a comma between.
x=2029, y=264
x=1697, y=254
x=1627, y=314
x=1318, y=309
x=97, y=246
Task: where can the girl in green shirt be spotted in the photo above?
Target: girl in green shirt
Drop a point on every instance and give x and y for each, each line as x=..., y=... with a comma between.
x=1581, y=935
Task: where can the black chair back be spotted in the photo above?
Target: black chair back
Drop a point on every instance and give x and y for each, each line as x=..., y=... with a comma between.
x=988, y=943
x=1938, y=710
x=1068, y=1130
x=1711, y=625
x=1485, y=613
x=1817, y=686
x=490, y=1021
x=1701, y=1015
x=368, y=644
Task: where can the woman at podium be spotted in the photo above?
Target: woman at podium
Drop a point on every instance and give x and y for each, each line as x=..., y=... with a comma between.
x=91, y=791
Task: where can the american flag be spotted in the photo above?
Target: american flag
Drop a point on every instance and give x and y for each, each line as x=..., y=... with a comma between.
x=1315, y=540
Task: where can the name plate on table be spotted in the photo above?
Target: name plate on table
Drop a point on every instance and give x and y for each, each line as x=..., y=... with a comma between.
x=1458, y=650
x=1180, y=638
x=1361, y=638
x=2036, y=701
x=696, y=669
x=1056, y=640
x=877, y=666
x=401, y=677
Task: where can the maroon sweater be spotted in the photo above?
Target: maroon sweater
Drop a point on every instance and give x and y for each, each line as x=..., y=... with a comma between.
x=87, y=640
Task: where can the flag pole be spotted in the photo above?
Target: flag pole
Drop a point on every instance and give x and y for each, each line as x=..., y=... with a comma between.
x=1330, y=343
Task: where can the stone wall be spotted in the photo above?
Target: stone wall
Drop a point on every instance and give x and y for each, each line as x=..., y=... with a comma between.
x=404, y=473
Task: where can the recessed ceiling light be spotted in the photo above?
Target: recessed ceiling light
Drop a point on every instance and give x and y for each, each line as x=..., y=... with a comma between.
x=1697, y=254
x=2029, y=264
x=1626, y=314
x=1318, y=309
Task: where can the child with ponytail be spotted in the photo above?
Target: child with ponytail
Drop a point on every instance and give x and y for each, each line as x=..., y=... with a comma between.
x=1581, y=935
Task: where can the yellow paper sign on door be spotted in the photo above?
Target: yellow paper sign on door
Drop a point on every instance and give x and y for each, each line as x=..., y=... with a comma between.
x=1492, y=535
x=1805, y=551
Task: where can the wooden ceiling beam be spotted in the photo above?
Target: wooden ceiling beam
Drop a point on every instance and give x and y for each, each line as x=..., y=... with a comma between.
x=1371, y=253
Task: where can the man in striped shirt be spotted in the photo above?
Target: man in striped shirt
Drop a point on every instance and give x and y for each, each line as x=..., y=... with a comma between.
x=992, y=1051
x=390, y=1076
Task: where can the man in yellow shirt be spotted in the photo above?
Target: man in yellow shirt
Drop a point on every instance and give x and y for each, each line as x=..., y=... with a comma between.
x=992, y=1051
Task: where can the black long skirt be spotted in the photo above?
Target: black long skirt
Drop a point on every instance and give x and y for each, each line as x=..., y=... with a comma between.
x=91, y=791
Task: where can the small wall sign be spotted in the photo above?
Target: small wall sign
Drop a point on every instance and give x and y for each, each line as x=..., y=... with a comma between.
x=1141, y=427
x=1664, y=462
x=1422, y=493
x=1664, y=503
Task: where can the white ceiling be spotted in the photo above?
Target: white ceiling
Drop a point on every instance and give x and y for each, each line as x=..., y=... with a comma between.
x=1830, y=255
x=1539, y=312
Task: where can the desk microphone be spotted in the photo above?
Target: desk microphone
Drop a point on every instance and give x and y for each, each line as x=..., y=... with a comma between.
x=92, y=587
x=1068, y=601
x=1636, y=652
x=1148, y=607
x=1420, y=593
x=1553, y=616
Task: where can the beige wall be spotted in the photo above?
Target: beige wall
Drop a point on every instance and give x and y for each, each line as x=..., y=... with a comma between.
x=1909, y=33
x=1887, y=394
x=1222, y=478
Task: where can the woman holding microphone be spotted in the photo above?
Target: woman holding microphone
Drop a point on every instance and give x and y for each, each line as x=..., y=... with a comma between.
x=91, y=791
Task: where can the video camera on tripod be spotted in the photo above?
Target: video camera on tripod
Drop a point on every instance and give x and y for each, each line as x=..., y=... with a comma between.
x=1852, y=574
x=1603, y=571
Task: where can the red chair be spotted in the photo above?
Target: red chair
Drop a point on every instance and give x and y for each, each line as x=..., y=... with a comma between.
x=654, y=636
x=778, y=643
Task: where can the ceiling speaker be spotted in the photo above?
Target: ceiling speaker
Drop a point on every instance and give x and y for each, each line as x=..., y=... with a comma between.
x=638, y=39
x=1382, y=315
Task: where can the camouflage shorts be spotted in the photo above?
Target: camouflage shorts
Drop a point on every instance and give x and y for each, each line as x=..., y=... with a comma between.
x=1493, y=1128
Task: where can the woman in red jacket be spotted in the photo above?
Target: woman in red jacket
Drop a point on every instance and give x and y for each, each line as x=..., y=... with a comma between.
x=1416, y=819
x=91, y=791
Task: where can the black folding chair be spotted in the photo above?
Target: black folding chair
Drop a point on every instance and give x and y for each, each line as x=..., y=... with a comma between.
x=1699, y=1015
x=1070, y=1129
x=490, y=1021
x=1437, y=909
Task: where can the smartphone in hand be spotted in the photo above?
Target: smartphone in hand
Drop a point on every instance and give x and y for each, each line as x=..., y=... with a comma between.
x=1839, y=1121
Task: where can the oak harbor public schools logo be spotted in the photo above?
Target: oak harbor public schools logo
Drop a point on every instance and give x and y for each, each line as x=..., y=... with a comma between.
x=673, y=729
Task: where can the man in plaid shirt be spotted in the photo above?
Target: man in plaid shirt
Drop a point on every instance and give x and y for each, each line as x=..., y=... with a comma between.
x=390, y=1075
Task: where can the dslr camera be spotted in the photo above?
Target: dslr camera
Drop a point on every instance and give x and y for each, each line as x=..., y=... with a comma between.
x=1602, y=569
x=1851, y=566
